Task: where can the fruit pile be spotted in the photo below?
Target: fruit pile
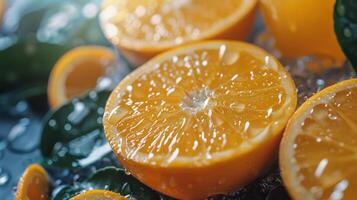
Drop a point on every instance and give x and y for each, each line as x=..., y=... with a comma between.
x=203, y=113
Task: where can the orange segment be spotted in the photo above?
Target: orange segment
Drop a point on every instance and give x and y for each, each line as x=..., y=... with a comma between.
x=318, y=154
x=67, y=78
x=144, y=28
x=33, y=184
x=98, y=195
x=202, y=119
x=303, y=27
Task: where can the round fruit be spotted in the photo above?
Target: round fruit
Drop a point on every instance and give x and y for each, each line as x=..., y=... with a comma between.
x=144, y=28
x=33, y=184
x=303, y=27
x=98, y=195
x=202, y=119
x=318, y=151
x=76, y=72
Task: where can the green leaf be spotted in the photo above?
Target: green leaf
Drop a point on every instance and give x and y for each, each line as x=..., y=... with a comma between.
x=9, y=99
x=113, y=179
x=345, y=22
x=73, y=135
x=28, y=61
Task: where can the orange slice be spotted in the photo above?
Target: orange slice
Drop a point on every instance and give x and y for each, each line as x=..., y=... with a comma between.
x=98, y=195
x=76, y=72
x=144, y=28
x=33, y=184
x=318, y=153
x=202, y=119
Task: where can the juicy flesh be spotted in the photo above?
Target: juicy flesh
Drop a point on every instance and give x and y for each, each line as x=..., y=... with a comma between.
x=198, y=104
x=37, y=188
x=76, y=84
x=326, y=147
x=155, y=21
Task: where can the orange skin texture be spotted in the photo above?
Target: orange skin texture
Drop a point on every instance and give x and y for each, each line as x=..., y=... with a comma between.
x=302, y=27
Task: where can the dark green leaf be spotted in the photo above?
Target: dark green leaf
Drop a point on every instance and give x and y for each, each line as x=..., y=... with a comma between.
x=9, y=99
x=345, y=18
x=116, y=180
x=113, y=179
x=28, y=61
x=73, y=135
x=39, y=44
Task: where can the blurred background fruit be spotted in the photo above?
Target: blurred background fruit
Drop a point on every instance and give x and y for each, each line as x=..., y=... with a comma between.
x=143, y=28
x=302, y=27
x=77, y=72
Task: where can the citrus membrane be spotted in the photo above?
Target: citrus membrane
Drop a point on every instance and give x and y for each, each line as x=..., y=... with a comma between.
x=209, y=106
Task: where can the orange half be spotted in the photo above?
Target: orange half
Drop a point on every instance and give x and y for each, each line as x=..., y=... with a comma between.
x=202, y=119
x=144, y=28
x=318, y=153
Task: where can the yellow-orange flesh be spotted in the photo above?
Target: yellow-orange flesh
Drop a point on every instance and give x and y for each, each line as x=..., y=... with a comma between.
x=147, y=27
x=98, y=195
x=319, y=151
x=302, y=27
x=77, y=72
x=201, y=119
x=33, y=184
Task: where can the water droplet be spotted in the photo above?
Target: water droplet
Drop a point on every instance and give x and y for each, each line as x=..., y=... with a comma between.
x=321, y=167
x=127, y=172
x=4, y=177
x=140, y=11
x=347, y=32
x=246, y=126
x=52, y=123
x=332, y=117
x=337, y=194
x=67, y=127
x=156, y=19
x=222, y=51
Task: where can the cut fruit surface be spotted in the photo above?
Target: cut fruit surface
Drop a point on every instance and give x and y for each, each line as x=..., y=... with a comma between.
x=318, y=153
x=202, y=119
x=33, y=184
x=67, y=81
x=144, y=28
x=98, y=195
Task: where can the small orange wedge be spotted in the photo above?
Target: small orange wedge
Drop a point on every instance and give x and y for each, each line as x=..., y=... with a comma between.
x=98, y=195
x=318, y=153
x=76, y=72
x=143, y=28
x=33, y=184
x=200, y=120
